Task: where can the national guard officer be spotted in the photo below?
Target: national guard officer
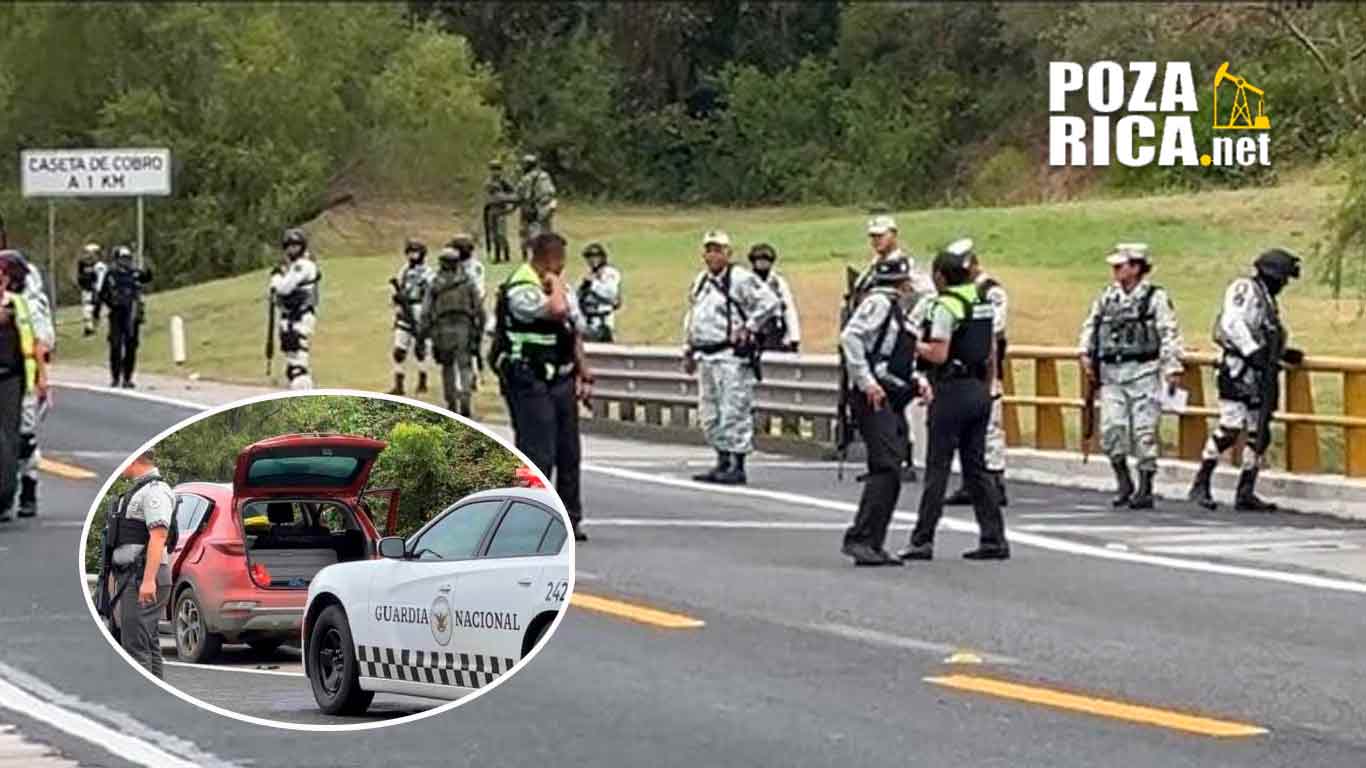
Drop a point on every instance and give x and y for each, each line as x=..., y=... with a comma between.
x=25, y=273
x=453, y=314
x=958, y=341
x=536, y=198
x=1131, y=335
x=1251, y=337
x=294, y=287
x=538, y=353
x=90, y=271
x=879, y=357
x=141, y=582
x=23, y=371
x=989, y=289
x=727, y=305
x=500, y=197
x=410, y=286
x=599, y=295
x=783, y=332
x=122, y=293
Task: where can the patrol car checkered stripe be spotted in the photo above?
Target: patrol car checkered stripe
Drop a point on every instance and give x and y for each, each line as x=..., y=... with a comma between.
x=467, y=670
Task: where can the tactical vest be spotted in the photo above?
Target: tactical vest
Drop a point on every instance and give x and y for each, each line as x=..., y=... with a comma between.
x=121, y=530
x=125, y=287
x=895, y=371
x=413, y=283
x=544, y=344
x=590, y=304
x=23, y=323
x=984, y=287
x=1126, y=335
x=304, y=298
x=449, y=302
x=971, y=342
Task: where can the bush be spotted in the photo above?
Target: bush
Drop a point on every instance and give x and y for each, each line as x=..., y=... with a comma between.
x=1009, y=176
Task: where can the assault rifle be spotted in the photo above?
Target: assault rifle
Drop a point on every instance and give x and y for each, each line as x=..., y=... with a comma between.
x=497, y=207
x=844, y=428
x=270, y=331
x=1271, y=385
x=406, y=310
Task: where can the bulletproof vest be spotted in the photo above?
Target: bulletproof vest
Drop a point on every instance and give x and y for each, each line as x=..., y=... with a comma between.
x=304, y=297
x=983, y=288
x=540, y=342
x=85, y=275
x=589, y=302
x=447, y=300
x=774, y=329
x=1129, y=334
x=970, y=345
x=120, y=530
x=124, y=287
x=895, y=371
x=412, y=284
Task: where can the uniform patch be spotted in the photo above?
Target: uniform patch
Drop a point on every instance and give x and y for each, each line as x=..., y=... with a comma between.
x=464, y=670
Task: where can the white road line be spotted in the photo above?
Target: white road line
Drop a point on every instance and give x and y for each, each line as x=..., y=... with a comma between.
x=221, y=668
x=1097, y=530
x=136, y=395
x=1246, y=534
x=66, y=523
x=128, y=739
x=887, y=639
x=1017, y=537
x=1060, y=515
x=15, y=750
x=1295, y=545
x=647, y=522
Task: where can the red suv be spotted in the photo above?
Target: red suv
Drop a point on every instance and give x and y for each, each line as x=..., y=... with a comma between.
x=249, y=549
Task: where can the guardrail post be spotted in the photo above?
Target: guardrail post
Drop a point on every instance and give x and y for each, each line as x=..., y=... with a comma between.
x=1010, y=414
x=628, y=410
x=599, y=408
x=654, y=414
x=822, y=429
x=1354, y=404
x=763, y=424
x=1302, y=440
x=1048, y=431
x=678, y=416
x=1192, y=429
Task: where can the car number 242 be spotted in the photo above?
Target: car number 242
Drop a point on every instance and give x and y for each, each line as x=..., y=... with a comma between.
x=555, y=591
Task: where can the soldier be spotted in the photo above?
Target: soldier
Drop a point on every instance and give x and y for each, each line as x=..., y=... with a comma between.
x=879, y=356
x=453, y=318
x=121, y=291
x=294, y=286
x=35, y=408
x=1252, y=338
x=727, y=305
x=500, y=197
x=23, y=371
x=410, y=286
x=784, y=331
x=1131, y=335
x=599, y=295
x=536, y=198
x=989, y=290
x=90, y=272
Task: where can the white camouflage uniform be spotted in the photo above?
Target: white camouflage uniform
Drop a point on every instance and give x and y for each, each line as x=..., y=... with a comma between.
x=793, y=324
x=996, y=434
x=298, y=283
x=604, y=284
x=1241, y=330
x=90, y=299
x=30, y=456
x=413, y=281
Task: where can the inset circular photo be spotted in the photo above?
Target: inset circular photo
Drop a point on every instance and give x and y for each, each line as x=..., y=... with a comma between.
x=328, y=560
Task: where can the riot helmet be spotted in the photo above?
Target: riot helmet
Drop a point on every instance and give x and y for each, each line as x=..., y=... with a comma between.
x=123, y=254
x=463, y=245
x=295, y=242
x=762, y=257
x=1276, y=267
x=15, y=267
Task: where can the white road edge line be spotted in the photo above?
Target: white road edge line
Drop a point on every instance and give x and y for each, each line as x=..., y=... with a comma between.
x=1016, y=537
x=646, y=522
x=133, y=393
x=220, y=668
x=132, y=741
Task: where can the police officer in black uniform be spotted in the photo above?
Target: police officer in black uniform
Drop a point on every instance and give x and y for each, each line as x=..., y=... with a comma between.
x=958, y=341
x=538, y=354
x=879, y=352
x=122, y=293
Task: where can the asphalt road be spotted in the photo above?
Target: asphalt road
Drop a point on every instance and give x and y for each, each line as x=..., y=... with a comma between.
x=803, y=660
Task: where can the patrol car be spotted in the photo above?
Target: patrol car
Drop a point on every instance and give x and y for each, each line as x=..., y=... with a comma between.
x=448, y=611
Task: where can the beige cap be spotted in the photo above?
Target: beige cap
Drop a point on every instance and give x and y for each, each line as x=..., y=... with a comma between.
x=1126, y=252
x=716, y=237
x=879, y=225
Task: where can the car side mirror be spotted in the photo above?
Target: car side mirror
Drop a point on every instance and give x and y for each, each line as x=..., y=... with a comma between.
x=392, y=547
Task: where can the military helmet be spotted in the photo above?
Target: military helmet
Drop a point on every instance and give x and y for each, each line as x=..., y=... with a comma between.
x=495, y=165
x=123, y=253
x=891, y=271
x=594, y=249
x=415, y=246
x=462, y=242
x=1278, y=264
x=763, y=251
x=449, y=256
x=294, y=236
x=530, y=159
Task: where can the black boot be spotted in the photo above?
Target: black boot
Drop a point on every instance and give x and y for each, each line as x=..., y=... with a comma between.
x=1125, y=482
x=28, y=497
x=1246, y=500
x=722, y=465
x=1144, y=498
x=421, y=382
x=1200, y=491
x=998, y=482
x=398, y=385
x=735, y=473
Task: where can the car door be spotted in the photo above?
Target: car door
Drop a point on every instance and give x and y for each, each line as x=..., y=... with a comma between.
x=191, y=510
x=412, y=600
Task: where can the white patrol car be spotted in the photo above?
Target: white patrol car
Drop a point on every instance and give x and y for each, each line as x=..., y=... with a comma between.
x=446, y=612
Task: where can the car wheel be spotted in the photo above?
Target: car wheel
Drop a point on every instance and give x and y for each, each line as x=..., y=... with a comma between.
x=266, y=645
x=193, y=640
x=533, y=639
x=332, y=666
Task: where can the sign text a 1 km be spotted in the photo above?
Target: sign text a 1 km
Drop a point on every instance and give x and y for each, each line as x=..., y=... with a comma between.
x=95, y=172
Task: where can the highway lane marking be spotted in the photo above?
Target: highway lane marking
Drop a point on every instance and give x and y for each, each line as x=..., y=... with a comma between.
x=889, y=640
x=63, y=523
x=1246, y=535
x=124, y=736
x=221, y=668
x=1016, y=536
x=1111, y=529
x=640, y=613
x=1061, y=515
x=1294, y=545
x=1116, y=710
x=68, y=471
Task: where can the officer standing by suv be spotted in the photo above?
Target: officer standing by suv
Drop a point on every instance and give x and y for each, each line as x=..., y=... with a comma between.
x=958, y=340
x=141, y=582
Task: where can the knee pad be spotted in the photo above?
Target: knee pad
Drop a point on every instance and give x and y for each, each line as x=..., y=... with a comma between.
x=1224, y=439
x=400, y=354
x=295, y=371
x=27, y=445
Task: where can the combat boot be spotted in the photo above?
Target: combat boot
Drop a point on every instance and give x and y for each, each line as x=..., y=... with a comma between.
x=1200, y=490
x=1246, y=500
x=465, y=409
x=1125, y=483
x=421, y=382
x=28, y=497
x=1144, y=498
x=398, y=385
x=733, y=474
x=722, y=465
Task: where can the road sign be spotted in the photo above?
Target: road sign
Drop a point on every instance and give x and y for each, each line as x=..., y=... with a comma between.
x=95, y=172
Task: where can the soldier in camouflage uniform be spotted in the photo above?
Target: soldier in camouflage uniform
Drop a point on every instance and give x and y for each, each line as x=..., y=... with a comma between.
x=410, y=286
x=1133, y=335
x=536, y=198
x=727, y=304
x=453, y=318
x=599, y=295
x=500, y=197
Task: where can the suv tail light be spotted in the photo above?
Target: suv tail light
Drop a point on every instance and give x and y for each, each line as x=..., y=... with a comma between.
x=260, y=574
x=229, y=547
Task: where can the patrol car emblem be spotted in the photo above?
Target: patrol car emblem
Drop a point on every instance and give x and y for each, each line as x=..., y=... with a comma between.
x=441, y=620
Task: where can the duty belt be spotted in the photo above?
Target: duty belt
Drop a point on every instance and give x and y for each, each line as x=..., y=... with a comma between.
x=957, y=369
x=711, y=349
x=1130, y=357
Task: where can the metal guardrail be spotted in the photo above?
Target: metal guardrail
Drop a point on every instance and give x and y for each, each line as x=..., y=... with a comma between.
x=799, y=392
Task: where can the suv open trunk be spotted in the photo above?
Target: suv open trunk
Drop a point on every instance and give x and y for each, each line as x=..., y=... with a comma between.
x=289, y=540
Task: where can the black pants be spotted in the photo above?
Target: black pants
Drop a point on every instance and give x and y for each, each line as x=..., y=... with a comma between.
x=545, y=418
x=958, y=418
x=884, y=433
x=11, y=408
x=137, y=623
x=123, y=343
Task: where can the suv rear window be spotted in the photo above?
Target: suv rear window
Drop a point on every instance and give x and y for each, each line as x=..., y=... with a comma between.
x=312, y=470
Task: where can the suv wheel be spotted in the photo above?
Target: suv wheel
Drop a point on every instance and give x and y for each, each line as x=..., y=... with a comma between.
x=193, y=640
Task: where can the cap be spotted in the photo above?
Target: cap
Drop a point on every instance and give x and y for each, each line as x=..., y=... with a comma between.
x=716, y=237
x=1126, y=252
x=880, y=225
x=962, y=248
x=449, y=254
x=528, y=158
x=891, y=271
x=495, y=164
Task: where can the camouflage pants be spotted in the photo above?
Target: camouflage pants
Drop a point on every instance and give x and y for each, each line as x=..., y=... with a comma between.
x=1234, y=417
x=295, y=338
x=1129, y=414
x=89, y=304
x=996, y=439
x=405, y=343
x=533, y=227
x=458, y=384
x=725, y=404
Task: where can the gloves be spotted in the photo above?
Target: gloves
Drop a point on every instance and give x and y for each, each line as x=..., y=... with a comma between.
x=1292, y=356
x=792, y=347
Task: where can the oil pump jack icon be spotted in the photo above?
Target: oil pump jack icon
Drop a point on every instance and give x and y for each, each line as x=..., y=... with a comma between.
x=1240, y=116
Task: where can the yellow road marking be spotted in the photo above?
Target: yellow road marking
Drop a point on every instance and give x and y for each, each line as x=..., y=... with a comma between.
x=1117, y=710
x=64, y=470
x=634, y=612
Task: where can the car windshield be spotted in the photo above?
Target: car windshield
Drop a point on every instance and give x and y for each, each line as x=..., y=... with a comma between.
x=315, y=470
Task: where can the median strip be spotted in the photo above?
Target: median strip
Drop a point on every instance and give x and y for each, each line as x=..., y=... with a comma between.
x=1116, y=710
x=68, y=471
x=634, y=612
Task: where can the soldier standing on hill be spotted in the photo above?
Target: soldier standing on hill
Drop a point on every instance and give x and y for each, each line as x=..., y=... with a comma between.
x=536, y=197
x=500, y=197
x=294, y=287
x=1131, y=335
x=410, y=286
